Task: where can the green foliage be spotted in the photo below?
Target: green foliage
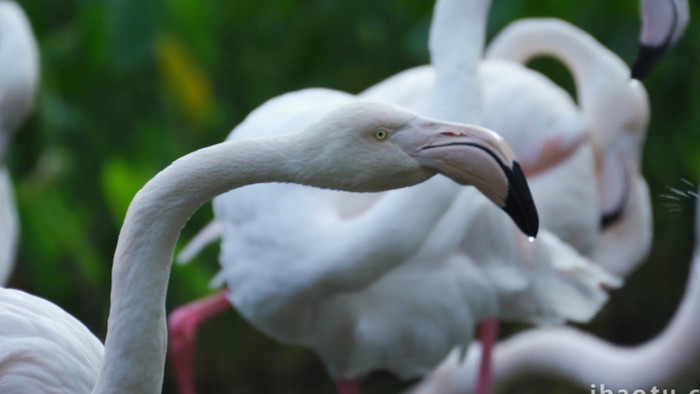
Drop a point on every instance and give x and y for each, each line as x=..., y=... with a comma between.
x=129, y=86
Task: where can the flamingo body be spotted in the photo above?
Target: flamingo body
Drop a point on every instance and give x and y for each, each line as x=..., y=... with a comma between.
x=44, y=349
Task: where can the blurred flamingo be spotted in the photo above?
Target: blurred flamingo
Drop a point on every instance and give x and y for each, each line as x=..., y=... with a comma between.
x=19, y=77
x=590, y=362
x=663, y=24
x=617, y=112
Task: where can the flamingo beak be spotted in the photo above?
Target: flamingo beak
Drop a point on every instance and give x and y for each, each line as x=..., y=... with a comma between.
x=663, y=24
x=471, y=155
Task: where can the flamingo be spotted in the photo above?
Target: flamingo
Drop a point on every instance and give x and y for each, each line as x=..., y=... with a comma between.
x=615, y=113
x=19, y=75
x=612, y=122
x=663, y=24
x=590, y=362
x=617, y=109
x=358, y=146
x=595, y=200
x=546, y=265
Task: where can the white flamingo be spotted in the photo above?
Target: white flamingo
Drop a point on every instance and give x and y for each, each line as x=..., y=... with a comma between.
x=616, y=110
x=612, y=118
x=663, y=24
x=257, y=249
x=597, y=201
x=357, y=147
x=615, y=113
x=19, y=75
x=590, y=362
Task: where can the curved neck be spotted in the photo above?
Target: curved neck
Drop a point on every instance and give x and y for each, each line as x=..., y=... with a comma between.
x=580, y=357
x=596, y=70
x=136, y=335
x=456, y=43
x=19, y=73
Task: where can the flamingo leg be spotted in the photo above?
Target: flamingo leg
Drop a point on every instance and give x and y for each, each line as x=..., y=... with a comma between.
x=488, y=333
x=182, y=332
x=347, y=386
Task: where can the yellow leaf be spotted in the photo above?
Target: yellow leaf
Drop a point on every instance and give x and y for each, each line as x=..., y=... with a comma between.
x=184, y=78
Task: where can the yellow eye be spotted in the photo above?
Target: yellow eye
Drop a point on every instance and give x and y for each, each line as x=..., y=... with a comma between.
x=381, y=133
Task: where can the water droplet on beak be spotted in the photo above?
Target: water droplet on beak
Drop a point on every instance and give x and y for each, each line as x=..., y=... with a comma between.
x=531, y=239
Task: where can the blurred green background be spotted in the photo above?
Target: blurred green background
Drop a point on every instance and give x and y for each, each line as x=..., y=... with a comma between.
x=129, y=86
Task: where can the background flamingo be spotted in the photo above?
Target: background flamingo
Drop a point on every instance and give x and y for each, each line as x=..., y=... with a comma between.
x=663, y=24
x=19, y=77
x=666, y=361
x=620, y=250
x=614, y=111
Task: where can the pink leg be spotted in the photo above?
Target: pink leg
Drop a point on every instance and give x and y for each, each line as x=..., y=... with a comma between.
x=347, y=387
x=488, y=333
x=182, y=331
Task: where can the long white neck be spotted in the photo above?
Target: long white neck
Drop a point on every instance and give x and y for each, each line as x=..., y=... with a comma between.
x=581, y=53
x=136, y=336
x=605, y=92
x=404, y=219
x=580, y=357
x=571, y=354
x=456, y=44
x=19, y=68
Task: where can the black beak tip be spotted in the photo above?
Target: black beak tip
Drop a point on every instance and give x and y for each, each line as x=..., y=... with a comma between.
x=519, y=203
x=647, y=58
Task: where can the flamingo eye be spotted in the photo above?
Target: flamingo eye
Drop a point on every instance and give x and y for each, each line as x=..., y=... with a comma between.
x=381, y=133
